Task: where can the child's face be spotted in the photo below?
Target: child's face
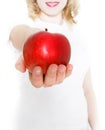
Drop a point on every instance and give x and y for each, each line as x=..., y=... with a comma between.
x=51, y=7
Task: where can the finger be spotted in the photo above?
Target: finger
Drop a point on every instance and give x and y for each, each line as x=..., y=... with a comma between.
x=20, y=64
x=36, y=77
x=69, y=69
x=50, y=77
x=61, y=73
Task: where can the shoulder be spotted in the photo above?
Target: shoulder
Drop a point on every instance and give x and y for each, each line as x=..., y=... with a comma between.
x=26, y=22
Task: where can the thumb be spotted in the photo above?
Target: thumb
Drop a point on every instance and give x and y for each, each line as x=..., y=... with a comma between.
x=20, y=64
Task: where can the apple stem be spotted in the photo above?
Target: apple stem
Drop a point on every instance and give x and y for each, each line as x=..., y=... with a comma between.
x=46, y=29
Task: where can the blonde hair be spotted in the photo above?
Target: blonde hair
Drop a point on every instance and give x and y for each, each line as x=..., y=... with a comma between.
x=69, y=13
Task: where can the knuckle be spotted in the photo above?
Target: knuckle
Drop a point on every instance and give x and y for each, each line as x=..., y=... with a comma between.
x=60, y=78
x=68, y=73
x=59, y=81
x=61, y=71
x=49, y=83
x=37, y=85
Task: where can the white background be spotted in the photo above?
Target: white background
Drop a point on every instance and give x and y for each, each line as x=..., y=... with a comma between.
x=92, y=22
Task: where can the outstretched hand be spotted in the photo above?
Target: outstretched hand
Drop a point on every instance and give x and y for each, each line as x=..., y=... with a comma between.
x=54, y=75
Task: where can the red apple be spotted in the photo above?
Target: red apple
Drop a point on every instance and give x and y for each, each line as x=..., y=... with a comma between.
x=44, y=48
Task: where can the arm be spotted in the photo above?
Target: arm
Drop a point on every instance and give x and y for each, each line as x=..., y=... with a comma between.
x=55, y=74
x=91, y=102
x=19, y=35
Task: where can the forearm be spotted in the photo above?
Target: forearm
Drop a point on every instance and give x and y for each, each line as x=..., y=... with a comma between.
x=92, y=111
x=91, y=101
x=20, y=34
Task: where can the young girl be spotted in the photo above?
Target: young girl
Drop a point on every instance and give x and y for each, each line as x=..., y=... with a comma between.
x=64, y=99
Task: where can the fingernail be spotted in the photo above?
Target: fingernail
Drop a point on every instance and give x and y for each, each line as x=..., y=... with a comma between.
x=38, y=71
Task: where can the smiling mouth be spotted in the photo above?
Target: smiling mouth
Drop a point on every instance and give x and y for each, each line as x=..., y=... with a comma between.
x=52, y=4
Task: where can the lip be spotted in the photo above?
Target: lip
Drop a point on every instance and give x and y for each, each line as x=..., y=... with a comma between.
x=52, y=4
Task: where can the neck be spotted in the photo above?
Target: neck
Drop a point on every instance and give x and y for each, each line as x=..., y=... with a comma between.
x=57, y=19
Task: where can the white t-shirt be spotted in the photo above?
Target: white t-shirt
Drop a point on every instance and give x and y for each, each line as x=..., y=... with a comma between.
x=63, y=106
